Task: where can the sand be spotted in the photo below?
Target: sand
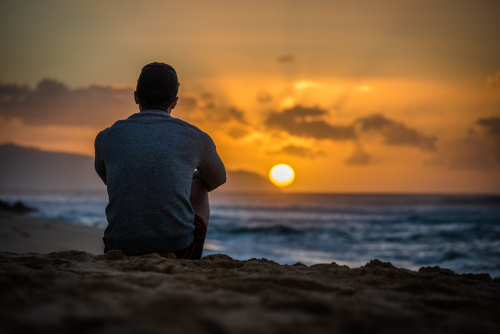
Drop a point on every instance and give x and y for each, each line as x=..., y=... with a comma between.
x=24, y=234
x=78, y=292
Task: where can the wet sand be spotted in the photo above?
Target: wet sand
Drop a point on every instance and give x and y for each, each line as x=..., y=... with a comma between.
x=78, y=292
x=24, y=234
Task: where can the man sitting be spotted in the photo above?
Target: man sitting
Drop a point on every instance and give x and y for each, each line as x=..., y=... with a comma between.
x=157, y=201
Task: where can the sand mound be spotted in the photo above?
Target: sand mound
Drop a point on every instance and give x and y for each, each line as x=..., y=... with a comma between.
x=77, y=292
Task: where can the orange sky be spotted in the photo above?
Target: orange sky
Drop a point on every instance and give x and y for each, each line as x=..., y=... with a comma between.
x=361, y=96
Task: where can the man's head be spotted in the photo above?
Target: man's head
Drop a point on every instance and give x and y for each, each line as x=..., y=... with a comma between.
x=157, y=87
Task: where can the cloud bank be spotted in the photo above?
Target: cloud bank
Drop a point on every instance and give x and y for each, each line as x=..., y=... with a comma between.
x=53, y=103
x=308, y=122
x=396, y=133
x=300, y=151
x=305, y=122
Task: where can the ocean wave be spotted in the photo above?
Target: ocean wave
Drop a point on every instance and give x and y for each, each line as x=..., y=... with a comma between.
x=459, y=232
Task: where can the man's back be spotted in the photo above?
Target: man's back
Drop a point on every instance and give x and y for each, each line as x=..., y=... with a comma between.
x=147, y=163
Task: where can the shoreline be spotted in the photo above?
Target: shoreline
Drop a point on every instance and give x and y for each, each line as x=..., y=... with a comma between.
x=21, y=233
x=25, y=234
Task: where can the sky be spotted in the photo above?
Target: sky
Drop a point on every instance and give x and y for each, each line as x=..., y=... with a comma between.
x=356, y=96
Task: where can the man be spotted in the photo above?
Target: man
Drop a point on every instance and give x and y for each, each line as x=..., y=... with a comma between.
x=157, y=201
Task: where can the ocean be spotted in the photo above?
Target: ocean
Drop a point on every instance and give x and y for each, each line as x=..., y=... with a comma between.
x=459, y=232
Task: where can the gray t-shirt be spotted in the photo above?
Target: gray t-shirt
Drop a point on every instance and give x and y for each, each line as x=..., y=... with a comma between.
x=147, y=162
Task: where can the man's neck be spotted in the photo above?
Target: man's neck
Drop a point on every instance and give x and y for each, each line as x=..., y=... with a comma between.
x=168, y=111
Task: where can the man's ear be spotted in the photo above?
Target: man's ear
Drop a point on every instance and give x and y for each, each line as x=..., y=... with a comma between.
x=136, y=98
x=172, y=106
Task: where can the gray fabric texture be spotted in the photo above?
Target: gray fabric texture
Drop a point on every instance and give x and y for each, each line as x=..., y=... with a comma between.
x=147, y=163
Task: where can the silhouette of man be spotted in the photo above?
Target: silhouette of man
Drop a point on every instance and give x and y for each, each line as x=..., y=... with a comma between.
x=157, y=201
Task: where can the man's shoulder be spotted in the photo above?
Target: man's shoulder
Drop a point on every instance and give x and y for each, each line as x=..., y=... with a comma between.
x=188, y=126
x=178, y=124
x=100, y=136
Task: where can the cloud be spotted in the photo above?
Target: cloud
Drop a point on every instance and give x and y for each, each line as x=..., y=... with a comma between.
x=489, y=130
x=12, y=93
x=237, y=115
x=395, y=133
x=299, y=151
x=480, y=149
x=358, y=156
x=286, y=59
x=53, y=103
x=198, y=110
x=307, y=122
x=490, y=125
x=188, y=104
x=238, y=133
x=493, y=81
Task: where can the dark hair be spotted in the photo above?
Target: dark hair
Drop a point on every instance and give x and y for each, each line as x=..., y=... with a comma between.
x=157, y=86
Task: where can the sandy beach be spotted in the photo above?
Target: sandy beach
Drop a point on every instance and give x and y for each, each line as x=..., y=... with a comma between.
x=74, y=288
x=24, y=234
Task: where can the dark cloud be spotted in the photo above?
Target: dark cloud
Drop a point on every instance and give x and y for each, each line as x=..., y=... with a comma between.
x=190, y=104
x=224, y=115
x=200, y=109
x=306, y=122
x=238, y=133
x=396, y=133
x=238, y=115
x=300, y=151
x=358, y=157
x=264, y=96
x=374, y=122
x=52, y=102
x=286, y=59
x=187, y=104
x=490, y=125
x=13, y=93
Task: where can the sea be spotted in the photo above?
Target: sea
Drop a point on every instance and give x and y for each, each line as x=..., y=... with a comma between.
x=458, y=232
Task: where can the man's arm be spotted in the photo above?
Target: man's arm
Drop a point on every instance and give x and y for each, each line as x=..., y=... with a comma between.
x=211, y=170
x=100, y=168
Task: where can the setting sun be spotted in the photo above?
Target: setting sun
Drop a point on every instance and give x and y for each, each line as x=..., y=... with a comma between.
x=281, y=175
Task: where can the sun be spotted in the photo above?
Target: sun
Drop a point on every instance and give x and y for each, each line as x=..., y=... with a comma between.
x=281, y=175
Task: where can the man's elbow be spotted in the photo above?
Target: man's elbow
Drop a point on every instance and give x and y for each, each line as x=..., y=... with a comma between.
x=218, y=182
x=223, y=179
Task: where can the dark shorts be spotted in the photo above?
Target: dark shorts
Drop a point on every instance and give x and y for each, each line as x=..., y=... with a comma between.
x=194, y=250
